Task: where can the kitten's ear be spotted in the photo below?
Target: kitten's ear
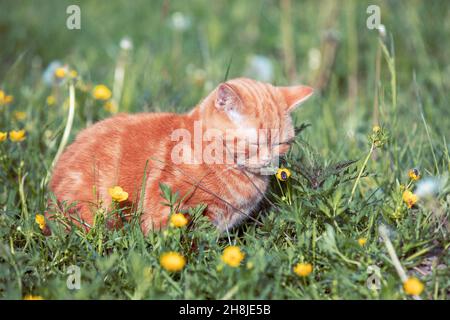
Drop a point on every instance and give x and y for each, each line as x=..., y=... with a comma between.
x=226, y=98
x=295, y=95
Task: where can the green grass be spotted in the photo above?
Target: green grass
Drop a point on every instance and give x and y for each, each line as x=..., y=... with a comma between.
x=312, y=219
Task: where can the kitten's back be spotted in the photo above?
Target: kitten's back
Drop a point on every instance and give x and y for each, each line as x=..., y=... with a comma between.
x=112, y=152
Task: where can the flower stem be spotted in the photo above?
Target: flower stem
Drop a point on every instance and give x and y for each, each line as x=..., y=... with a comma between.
x=394, y=258
x=391, y=251
x=281, y=188
x=372, y=147
x=22, y=195
x=67, y=129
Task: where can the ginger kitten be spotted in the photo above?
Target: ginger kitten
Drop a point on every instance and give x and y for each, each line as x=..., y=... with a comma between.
x=217, y=155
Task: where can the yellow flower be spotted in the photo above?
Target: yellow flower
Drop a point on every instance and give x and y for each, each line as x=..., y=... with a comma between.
x=60, y=72
x=376, y=129
x=283, y=174
x=17, y=136
x=3, y=136
x=409, y=198
x=40, y=220
x=117, y=194
x=172, y=261
x=31, y=297
x=20, y=115
x=4, y=98
x=73, y=74
x=414, y=174
x=303, y=269
x=413, y=286
x=101, y=92
x=362, y=241
x=111, y=107
x=178, y=220
x=232, y=256
x=51, y=100
x=9, y=99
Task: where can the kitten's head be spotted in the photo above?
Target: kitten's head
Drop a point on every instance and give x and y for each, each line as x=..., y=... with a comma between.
x=256, y=112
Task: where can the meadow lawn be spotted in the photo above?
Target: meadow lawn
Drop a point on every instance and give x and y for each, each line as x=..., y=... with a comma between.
x=351, y=213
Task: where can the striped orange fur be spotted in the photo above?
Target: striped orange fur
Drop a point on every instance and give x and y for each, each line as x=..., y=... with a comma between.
x=114, y=152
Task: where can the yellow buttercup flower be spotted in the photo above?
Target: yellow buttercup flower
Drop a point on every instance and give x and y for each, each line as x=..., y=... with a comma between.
x=232, y=256
x=51, y=100
x=414, y=174
x=73, y=74
x=17, y=135
x=172, y=261
x=303, y=269
x=9, y=99
x=283, y=174
x=362, y=241
x=4, y=98
x=32, y=297
x=111, y=107
x=413, y=286
x=60, y=72
x=40, y=220
x=178, y=220
x=20, y=115
x=101, y=92
x=117, y=194
x=409, y=198
x=3, y=136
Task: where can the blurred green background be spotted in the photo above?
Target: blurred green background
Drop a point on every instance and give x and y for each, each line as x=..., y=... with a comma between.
x=398, y=78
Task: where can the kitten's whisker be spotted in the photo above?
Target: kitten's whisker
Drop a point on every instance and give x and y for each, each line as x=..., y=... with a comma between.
x=196, y=186
x=210, y=192
x=289, y=141
x=228, y=233
x=244, y=171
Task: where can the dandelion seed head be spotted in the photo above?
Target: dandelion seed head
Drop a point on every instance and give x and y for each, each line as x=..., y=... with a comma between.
x=180, y=22
x=126, y=43
x=260, y=67
x=49, y=73
x=382, y=30
x=314, y=59
x=430, y=186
